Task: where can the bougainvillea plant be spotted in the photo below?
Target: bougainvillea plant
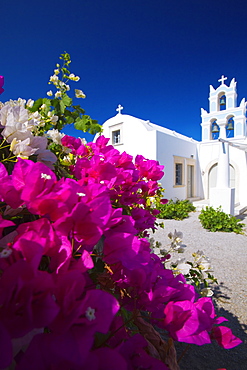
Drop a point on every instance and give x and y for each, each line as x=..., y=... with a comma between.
x=79, y=284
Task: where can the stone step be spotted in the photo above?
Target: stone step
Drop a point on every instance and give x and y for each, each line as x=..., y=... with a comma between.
x=200, y=204
x=239, y=210
x=203, y=203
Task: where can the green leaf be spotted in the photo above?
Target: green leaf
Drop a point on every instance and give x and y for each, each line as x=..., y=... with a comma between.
x=78, y=109
x=62, y=106
x=66, y=100
x=86, y=124
x=55, y=103
x=58, y=106
x=69, y=120
x=64, y=70
x=80, y=124
x=37, y=104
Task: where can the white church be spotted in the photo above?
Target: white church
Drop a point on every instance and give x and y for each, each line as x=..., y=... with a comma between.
x=210, y=172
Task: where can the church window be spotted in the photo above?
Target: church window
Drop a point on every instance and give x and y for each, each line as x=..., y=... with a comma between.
x=230, y=128
x=116, y=137
x=215, y=130
x=178, y=173
x=222, y=102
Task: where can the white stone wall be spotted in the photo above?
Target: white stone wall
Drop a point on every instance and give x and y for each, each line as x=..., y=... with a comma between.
x=208, y=156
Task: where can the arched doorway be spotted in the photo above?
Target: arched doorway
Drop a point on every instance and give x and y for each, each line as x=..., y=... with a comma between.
x=212, y=177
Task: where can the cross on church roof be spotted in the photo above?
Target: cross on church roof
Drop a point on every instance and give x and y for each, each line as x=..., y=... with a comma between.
x=119, y=108
x=222, y=79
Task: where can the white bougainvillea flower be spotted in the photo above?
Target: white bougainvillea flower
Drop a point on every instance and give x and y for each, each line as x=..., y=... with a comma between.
x=176, y=241
x=49, y=93
x=54, y=79
x=83, y=140
x=73, y=77
x=17, y=113
x=30, y=103
x=55, y=136
x=204, y=263
x=17, y=122
x=182, y=267
x=23, y=149
x=178, y=236
x=47, y=157
x=58, y=94
x=4, y=114
x=180, y=248
x=16, y=130
x=207, y=292
x=54, y=118
x=79, y=94
x=39, y=142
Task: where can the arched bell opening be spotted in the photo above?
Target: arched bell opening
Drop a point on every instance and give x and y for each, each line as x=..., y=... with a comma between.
x=222, y=101
x=230, y=127
x=215, y=130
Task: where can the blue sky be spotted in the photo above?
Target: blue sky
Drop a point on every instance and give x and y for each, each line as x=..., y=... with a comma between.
x=155, y=57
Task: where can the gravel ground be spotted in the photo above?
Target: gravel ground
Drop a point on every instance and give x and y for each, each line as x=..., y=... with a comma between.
x=228, y=255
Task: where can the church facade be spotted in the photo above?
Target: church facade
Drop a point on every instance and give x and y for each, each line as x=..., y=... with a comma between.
x=210, y=172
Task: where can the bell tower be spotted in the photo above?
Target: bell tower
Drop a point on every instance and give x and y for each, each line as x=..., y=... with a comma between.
x=225, y=119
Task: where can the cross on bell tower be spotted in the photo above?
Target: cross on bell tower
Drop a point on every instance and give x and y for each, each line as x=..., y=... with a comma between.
x=119, y=108
x=222, y=79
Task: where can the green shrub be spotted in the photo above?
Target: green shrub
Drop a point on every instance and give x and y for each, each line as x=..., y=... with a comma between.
x=177, y=210
x=217, y=220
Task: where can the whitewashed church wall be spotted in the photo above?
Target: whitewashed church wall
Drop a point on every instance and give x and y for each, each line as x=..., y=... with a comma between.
x=209, y=153
x=137, y=140
x=169, y=148
x=134, y=137
x=208, y=156
x=238, y=159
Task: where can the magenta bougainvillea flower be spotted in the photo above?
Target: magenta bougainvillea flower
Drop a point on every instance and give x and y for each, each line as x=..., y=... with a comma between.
x=26, y=300
x=111, y=359
x=194, y=323
x=224, y=337
x=71, y=143
x=149, y=169
x=186, y=323
x=143, y=219
x=4, y=223
x=75, y=265
x=134, y=352
x=1, y=84
x=6, y=347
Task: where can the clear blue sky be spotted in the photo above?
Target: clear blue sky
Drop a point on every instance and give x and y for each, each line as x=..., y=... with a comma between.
x=155, y=57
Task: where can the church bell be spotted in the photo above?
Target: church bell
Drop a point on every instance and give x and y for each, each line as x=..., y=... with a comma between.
x=215, y=129
x=230, y=126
